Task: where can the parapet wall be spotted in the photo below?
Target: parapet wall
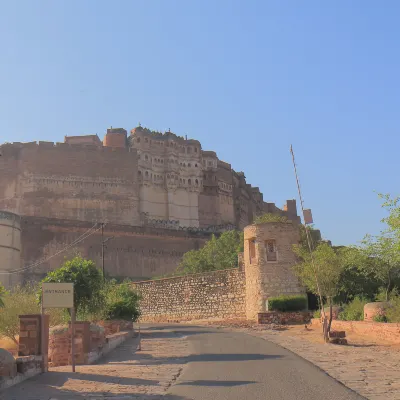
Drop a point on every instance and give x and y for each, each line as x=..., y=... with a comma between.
x=213, y=295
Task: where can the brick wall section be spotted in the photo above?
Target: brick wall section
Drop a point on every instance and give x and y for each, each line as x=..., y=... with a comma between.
x=283, y=318
x=90, y=341
x=30, y=334
x=376, y=330
x=217, y=294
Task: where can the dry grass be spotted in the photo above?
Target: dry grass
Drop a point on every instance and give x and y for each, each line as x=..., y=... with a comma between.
x=9, y=345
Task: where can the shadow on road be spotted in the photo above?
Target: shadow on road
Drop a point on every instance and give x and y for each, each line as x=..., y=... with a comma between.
x=147, y=359
x=215, y=383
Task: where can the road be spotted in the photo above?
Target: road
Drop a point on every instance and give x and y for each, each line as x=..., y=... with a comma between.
x=230, y=365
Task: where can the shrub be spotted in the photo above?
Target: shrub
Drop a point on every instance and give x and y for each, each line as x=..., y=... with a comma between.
x=317, y=314
x=122, y=302
x=380, y=318
x=20, y=300
x=287, y=303
x=393, y=312
x=270, y=217
x=353, y=311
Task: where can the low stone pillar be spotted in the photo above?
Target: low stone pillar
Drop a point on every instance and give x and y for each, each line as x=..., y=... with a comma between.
x=82, y=341
x=30, y=335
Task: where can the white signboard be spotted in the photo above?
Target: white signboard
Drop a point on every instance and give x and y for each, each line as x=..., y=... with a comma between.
x=58, y=295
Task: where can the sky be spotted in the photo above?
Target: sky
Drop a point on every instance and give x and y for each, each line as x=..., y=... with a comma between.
x=245, y=78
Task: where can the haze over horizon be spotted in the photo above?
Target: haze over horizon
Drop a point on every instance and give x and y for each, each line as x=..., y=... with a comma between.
x=245, y=79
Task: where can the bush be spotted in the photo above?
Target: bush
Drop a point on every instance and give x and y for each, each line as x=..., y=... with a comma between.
x=353, y=311
x=393, y=312
x=287, y=303
x=122, y=302
x=270, y=217
x=380, y=318
x=317, y=314
x=19, y=300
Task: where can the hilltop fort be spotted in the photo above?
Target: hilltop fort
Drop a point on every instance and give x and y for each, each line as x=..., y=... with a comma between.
x=158, y=194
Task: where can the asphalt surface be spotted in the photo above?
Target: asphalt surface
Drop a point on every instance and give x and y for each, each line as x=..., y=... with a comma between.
x=230, y=365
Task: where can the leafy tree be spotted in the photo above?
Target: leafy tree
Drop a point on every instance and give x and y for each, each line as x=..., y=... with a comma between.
x=270, y=217
x=19, y=300
x=382, y=259
x=87, y=280
x=217, y=253
x=355, y=281
x=320, y=272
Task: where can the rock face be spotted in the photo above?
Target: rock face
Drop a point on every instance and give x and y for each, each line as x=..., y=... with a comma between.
x=8, y=366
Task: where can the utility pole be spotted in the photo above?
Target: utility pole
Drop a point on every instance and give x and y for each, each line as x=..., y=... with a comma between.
x=310, y=246
x=103, y=246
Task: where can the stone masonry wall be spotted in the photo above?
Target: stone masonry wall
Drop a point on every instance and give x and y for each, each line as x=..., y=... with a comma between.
x=135, y=252
x=214, y=295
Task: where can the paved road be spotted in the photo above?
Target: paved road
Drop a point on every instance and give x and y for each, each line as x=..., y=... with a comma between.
x=227, y=365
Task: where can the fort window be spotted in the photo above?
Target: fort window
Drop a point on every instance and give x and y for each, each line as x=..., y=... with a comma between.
x=146, y=140
x=138, y=139
x=146, y=157
x=189, y=181
x=195, y=149
x=195, y=165
x=147, y=173
x=189, y=165
x=252, y=250
x=270, y=246
x=197, y=182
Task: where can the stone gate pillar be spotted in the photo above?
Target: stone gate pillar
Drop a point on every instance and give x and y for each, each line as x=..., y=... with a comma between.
x=32, y=340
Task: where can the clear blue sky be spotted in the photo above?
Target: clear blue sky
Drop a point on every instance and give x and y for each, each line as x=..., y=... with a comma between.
x=246, y=78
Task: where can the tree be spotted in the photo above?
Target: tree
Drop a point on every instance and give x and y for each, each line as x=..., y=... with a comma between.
x=320, y=272
x=87, y=280
x=19, y=300
x=217, y=253
x=355, y=280
x=382, y=259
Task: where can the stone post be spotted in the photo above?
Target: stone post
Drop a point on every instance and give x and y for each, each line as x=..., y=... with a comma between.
x=30, y=336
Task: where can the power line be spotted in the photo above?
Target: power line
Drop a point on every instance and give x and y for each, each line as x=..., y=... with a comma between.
x=76, y=241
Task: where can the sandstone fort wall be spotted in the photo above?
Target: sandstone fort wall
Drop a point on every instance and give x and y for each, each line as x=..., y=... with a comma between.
x=85, y=183
x=134, y=252
x=217, y=294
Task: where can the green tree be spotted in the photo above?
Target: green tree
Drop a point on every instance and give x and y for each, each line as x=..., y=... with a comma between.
x=87, y=280
x=355, y=281
x=382, y=259
x=217, y=253
x=19, y=300
x=320, y=272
